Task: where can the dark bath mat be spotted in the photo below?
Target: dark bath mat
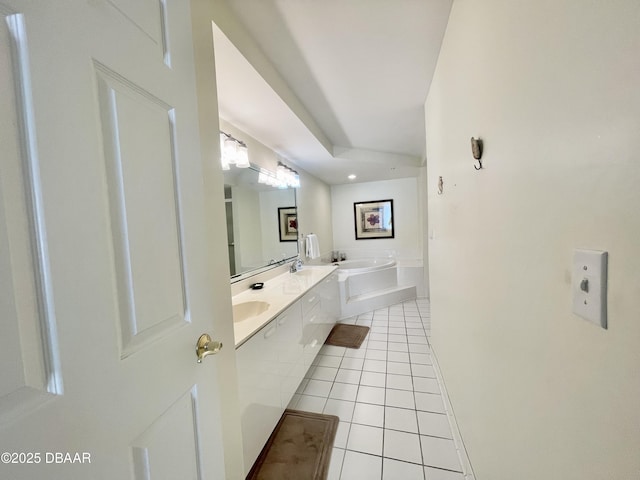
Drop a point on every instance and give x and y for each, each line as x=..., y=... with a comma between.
x=345, y=335
x=299, y=448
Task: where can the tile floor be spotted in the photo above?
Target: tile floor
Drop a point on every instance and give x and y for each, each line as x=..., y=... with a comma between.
x=393, y=423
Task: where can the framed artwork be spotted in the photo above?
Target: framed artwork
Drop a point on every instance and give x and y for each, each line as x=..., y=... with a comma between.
x=373, y=219
x=288, y=224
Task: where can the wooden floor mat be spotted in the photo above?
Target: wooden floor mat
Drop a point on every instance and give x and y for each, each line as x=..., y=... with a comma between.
x=299, y=448
x=345, y=335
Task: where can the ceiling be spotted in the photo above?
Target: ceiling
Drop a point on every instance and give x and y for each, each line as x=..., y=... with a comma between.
x=334, y=86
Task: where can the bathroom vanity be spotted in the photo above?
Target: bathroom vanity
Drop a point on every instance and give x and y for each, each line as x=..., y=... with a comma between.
x=279, y=330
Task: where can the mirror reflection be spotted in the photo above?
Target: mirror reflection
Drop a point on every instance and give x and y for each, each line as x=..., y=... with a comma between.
x=261, y=221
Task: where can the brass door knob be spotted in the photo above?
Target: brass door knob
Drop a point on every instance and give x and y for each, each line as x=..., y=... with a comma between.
x=206, y=346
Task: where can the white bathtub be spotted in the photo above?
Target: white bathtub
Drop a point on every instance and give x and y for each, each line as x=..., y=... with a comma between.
x=364, y=265
x=368, y=284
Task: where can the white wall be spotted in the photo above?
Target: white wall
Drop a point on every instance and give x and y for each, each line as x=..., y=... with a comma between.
x=315, y=211
x=552, y=88
x=407, y=212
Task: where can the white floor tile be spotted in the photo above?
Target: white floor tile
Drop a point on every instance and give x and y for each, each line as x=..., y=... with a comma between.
x=401, y=419
x=355, y=352
x=368, y=414
x=393, y=424
x=440, y=452
x=318, y=388
x=361, y=466
x=397, y=331
x=438, y=474
x=414, y=322
x=344, y=391
x=341, y=435
x=434, y=425
x=332, y=350
x=373, y=395
x=416, y=331
x=397, y=338
x=399, y=368
x=419, y=348
x=376, y=345
x=425, y=385
x=311, y=404
x=375, y=354
x=429, y=402
x=335, y=464
x=327, y=361
x=400, y=398
x=395, y=470
x=402, y=446
x=340, y=408
x=373, y=379
x=324, y=373
x=420, y=340
x=423, y=370
x=352, y=363
x=379, y=337
x=402, y=357
x=421, y=358
x=399, y=382
x=365, y=439
x=375, y=366
x=348, y=376
x=398, y=347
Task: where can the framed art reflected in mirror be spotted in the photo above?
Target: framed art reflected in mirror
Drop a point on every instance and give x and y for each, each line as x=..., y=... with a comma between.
x=288, y=224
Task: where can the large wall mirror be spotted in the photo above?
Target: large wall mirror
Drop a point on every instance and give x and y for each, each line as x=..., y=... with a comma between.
x=261, y=222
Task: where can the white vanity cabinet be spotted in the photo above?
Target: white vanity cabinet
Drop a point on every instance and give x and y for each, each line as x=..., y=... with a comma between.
x=265, y=365
x=320, y=311
x=273, y=362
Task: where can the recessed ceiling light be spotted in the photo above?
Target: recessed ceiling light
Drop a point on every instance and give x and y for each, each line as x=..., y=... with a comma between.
x=351, y=177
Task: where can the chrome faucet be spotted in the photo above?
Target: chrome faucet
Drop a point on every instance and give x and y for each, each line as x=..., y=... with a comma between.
x=293, y=268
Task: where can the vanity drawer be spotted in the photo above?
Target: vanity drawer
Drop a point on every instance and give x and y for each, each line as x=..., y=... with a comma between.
x=309, y=301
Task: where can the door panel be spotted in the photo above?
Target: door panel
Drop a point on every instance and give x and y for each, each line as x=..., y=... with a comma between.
x=102, y=222
x=27, y=350
x=141, y=166
x=152, y=452
x=148, y=16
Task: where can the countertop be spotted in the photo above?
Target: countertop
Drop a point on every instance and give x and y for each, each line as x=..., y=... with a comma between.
x=279, y=292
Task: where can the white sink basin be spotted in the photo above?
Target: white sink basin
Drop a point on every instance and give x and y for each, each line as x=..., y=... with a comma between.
x=246, y=310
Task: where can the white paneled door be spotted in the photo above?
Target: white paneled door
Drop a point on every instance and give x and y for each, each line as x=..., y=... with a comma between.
x=103, y=288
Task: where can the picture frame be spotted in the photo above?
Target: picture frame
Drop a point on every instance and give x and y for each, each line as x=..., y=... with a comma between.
x=288, y=224
x=373, y=219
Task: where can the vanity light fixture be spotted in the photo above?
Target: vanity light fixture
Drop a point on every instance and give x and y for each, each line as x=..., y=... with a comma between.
x=287, y=176
x=351, y=177
x=284, y=177
x=233, y=152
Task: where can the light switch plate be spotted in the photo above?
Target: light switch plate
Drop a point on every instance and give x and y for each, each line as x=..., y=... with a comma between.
x=589, y=285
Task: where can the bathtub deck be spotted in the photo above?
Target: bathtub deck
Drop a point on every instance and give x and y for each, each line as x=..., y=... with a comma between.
x=366, y=302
